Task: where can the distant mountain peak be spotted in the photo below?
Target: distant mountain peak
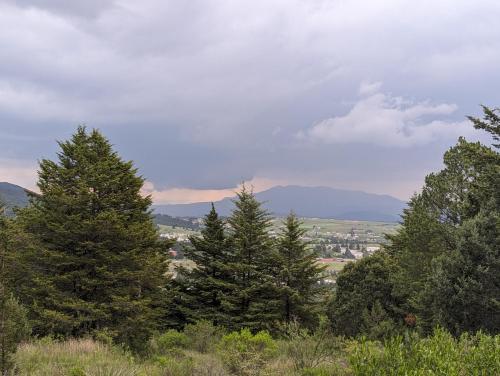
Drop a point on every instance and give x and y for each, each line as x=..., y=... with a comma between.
x=13, y=195
x=314, y=202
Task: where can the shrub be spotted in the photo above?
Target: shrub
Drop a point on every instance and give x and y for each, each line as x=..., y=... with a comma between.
x=15, y=328
x=244, y=353
x=203, y=336
x=175, y=367
x=310, y=350
x=440, y=354
x=169, y=343
x=331, y=370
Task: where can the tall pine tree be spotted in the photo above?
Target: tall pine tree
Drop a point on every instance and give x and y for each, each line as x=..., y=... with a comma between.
x=254, y=302
x=210, y=280
x=298, y=274
x=102, y=265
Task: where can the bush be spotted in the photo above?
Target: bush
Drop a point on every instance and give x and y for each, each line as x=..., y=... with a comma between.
x=244, y=353
x=169, y=343
x=175, y=367
x=15, y=328
x=440, y=354
x=310, y=350
x=203, y=336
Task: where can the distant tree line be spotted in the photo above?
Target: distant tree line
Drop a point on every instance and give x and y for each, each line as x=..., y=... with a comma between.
x=84, y=258
x=164, y=219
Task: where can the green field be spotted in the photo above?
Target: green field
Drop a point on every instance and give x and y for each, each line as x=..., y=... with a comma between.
x=164, y=229
x=317, y=225
x=324, y=226
x=336, y=266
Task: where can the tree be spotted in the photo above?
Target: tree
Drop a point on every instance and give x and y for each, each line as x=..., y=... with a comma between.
x=14, y=325
x=447, y=244
x=102, y=265
x=210, y=279
x=368, y=286
x=254, y=300
x=298, y=274
x=463, y=290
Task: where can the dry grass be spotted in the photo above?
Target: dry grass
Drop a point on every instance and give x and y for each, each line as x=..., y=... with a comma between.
x=76, y=357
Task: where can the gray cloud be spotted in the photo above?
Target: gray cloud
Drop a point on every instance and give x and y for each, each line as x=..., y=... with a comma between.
x=205, y=94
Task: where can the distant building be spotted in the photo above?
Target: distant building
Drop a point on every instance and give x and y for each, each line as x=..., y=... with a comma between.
x=372, y=249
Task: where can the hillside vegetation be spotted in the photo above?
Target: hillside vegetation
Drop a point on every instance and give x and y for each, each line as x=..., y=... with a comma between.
x=87, y=286
x=197, y=351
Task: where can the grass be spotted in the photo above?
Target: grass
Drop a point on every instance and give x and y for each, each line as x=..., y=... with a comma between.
x=313, y=225
x=343, y=226
x=76, y=357
x=204, y=350
x=336, y=265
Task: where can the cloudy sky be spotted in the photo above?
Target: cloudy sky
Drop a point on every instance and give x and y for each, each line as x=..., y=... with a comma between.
x=205, y=94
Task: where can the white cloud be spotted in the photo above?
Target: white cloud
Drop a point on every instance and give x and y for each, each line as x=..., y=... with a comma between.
x=368, y=87
x=386, y=120
x=189, y=195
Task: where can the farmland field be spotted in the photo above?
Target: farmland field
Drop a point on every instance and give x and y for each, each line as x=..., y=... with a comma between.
x=317, y=225
x=323, y=226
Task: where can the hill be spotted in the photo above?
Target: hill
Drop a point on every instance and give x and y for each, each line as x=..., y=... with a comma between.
x=312, y=202
x=13, y=196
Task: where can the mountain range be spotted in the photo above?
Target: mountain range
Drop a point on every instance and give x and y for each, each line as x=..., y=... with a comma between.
x=13, y=196
x=313, y=202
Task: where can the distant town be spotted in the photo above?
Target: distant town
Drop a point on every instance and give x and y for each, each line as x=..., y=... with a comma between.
x=336, y=242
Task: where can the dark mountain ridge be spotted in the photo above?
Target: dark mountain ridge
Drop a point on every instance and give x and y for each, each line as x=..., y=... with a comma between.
x=313, y=202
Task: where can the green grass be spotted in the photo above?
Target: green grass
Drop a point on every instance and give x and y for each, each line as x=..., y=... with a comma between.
x=323, y=226
x=336, y=265
x=204, y=350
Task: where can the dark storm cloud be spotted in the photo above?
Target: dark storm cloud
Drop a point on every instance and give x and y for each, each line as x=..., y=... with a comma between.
x=205, y=94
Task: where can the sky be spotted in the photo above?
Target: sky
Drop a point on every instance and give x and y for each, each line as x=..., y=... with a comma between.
x=205, y=94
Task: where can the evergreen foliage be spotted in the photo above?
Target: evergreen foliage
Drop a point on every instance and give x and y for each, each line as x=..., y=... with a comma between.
x=14, y=326
x=254, y=300
x=206, y=285
x=365, y=295
x=102, y=265
x=448, y=245
x=298, y=275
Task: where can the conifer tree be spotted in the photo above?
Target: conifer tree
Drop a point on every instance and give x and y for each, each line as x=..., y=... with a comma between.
x=208, y=282
x=254, y=301
x=14, y=325
x=102, y=265
x=298, y=274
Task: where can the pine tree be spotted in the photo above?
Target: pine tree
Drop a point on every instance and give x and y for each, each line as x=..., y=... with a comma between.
x=254, y=301
x=14, y=325
x=298, y=274
x=102, y=265
x=208, y=282
x=463, y=288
